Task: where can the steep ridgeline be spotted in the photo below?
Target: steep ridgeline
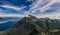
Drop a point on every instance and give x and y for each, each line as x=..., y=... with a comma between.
x=34, y=26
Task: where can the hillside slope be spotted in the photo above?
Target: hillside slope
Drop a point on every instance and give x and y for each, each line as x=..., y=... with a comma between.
x=34, y=26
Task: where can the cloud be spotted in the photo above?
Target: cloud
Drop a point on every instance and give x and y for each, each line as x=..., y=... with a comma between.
x=37, y=5
x=47, y=6
x=53, y=15
x=33, y=9
x=13, y=15
x=12, y=7
x=3, y=22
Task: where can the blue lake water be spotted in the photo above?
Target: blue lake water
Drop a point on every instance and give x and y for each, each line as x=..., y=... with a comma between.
x=6, y=25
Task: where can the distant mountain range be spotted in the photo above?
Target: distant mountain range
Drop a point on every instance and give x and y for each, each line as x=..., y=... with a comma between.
x=7, y=22
x=10, y=18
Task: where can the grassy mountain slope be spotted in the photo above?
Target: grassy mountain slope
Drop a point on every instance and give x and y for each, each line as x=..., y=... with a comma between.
x=34, y=26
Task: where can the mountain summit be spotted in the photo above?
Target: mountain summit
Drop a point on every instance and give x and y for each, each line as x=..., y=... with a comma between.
x=34, y=26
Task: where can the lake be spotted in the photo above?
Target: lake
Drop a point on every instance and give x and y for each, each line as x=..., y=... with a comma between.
x=6, y=25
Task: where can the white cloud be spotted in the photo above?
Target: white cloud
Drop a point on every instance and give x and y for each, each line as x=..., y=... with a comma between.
x=44, y=8
x=34, y=7
x=12, y=15
x=3, y=22
x=37, y=5
x=53, y=15
x=12, y=7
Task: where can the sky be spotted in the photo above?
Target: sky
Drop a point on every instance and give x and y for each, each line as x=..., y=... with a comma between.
x=38, y=8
